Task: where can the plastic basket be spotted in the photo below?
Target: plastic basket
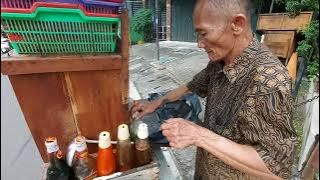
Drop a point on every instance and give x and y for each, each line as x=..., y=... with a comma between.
x=57, y=5
x=90, y=6
x=58, y=30
x=117, y=1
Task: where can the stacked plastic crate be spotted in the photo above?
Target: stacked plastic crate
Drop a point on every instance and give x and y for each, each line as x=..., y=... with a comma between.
x=61, y=26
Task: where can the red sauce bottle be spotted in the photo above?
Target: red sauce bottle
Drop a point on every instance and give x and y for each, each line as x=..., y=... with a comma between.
x=106, y=162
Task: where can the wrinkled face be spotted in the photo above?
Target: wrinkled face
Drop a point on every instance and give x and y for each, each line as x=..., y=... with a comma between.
x=214, y=34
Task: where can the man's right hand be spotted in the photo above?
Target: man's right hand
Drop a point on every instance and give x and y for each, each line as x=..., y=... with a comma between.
x=141, y=108
x=144, y=107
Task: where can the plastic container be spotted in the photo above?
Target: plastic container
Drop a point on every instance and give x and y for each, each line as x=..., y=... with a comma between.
x=125, y=153
x=58, y=30
x=106, y=161
x=90, y=6
x=35, y=5
x=117, y=1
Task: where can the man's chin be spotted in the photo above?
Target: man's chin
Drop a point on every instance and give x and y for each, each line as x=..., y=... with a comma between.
x=212, y=59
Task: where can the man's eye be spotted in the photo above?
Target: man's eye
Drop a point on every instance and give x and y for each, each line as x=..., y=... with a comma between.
x=203, y=34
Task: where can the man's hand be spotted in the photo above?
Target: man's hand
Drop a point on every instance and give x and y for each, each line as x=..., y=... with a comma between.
x=143, y=107
x=181, y=133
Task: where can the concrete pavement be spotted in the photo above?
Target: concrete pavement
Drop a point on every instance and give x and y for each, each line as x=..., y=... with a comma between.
x=179, y=62
x=20, y=158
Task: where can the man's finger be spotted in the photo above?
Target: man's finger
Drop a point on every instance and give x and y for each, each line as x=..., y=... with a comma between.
x=174, y=120
x=171, y=132
x=166, y=126
x=180, y=144
x=138, y=115
x=135, y=115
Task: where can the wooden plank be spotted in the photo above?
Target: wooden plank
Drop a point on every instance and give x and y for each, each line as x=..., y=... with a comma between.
x=292, y=46
x=279, y=42
x=36, y=64
x=282, y=21
x=125, y=57
x=97, y=101
x=44, y=103
x=292, y=67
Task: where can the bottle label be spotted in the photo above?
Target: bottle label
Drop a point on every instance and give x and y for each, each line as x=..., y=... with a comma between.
x=80, y=142
x=81, y=147
x=52, y=148
x=82, y=154
x=52, y=145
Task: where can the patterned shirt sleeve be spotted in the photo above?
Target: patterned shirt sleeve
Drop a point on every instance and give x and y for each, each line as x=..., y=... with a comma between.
x=265, y=123
x=199, y=83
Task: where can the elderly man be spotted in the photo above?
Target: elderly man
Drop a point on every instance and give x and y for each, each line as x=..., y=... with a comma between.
x=246, y=132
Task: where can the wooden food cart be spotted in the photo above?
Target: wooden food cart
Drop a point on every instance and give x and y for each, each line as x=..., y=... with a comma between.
x=64, y=95
x=280, y=29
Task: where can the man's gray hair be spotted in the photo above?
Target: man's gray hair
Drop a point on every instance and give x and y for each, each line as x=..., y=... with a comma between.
x=229, y=7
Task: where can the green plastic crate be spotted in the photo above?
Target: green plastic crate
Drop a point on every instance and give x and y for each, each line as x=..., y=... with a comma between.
x=60, y=30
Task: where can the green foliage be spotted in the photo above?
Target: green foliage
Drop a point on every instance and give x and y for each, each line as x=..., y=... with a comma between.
x=135, y=37
x=310, y=33
x=304, y=48
x=141, y=23
x=309, y=44
x=313, y=68
x=294, y=7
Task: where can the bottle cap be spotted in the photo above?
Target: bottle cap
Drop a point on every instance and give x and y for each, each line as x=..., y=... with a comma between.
x=143, y=132
x=80, y=142
x=123, y=132
x=51, y=144
x=104, y=139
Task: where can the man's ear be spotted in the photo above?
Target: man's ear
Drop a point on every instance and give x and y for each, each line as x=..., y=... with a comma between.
x=239, y=23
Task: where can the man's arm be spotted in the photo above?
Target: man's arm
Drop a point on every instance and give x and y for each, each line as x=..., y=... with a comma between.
x=143, y=108
x=242, y=157
x=265, y=122
x=181, y=133
x=198, y=85
x=173, y=95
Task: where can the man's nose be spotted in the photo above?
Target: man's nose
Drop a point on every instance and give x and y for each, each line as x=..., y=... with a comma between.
x=200, y=44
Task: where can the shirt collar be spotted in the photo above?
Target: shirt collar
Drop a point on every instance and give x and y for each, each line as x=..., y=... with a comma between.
x=242, y=65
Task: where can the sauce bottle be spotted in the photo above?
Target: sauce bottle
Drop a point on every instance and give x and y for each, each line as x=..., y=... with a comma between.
x=142, y=146
x=106, y=162
x=84, y=166
x=124, y=149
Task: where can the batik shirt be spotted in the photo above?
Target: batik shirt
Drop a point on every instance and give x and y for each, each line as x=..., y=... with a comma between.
x=249, y=102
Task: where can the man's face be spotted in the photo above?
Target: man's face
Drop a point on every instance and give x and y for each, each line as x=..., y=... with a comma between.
x=214, y=34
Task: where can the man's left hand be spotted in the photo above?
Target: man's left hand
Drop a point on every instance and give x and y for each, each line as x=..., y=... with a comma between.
x=181, y=133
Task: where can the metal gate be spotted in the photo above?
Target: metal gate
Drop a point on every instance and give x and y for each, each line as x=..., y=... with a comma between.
x=181, y=21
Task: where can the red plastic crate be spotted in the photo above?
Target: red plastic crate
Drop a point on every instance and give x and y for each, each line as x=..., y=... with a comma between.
x=93, y=12
x=110, y=9
x=117, y=1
